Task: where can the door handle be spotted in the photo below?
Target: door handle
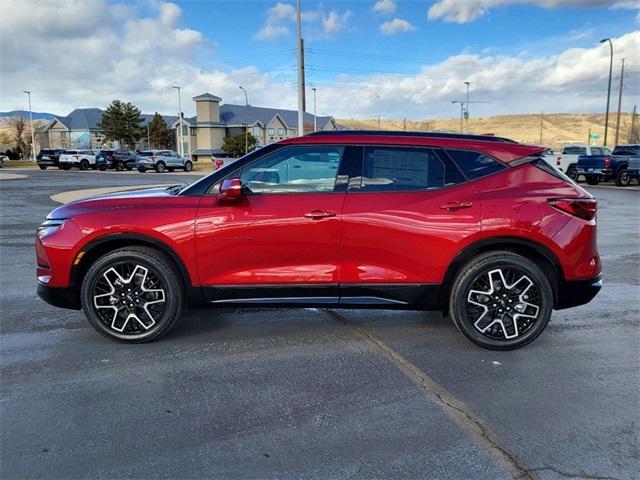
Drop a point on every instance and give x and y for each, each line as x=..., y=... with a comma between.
x=454, y=206
x=318, y=214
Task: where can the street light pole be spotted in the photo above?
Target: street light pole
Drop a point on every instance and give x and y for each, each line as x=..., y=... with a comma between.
x=33, y=136
x=181, y=149
x=246, y=121
x=301, y=85
x=315, y=123
x=466, y=117
x=606, y=117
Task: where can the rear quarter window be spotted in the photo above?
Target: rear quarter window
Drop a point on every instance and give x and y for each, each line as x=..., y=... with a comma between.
x=475, y=164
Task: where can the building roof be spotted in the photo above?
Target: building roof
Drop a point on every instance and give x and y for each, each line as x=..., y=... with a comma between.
x=236, y=114
x=207, y=96
x=88, y=119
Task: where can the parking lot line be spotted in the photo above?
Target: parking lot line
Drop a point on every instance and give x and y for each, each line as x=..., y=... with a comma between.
x=454, y=408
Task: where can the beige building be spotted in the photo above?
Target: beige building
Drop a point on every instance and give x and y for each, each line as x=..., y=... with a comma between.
x=203, y=135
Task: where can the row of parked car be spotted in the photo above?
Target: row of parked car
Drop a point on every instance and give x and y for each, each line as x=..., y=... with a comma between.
x=598, y=164
x=159, y=160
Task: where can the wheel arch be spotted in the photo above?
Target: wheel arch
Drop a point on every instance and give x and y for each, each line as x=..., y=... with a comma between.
x=93, y=250
x=538, y=253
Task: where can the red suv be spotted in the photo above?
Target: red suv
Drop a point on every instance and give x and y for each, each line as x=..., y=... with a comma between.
x=477, y=227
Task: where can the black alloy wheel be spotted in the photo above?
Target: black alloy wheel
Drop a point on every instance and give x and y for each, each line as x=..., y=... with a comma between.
x=133, y=294
x=501, y=300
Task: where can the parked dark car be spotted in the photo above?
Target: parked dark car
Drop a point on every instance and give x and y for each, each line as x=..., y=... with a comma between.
x=124, y=159
x=48, y=157
x=601, y=168
x=104, y=159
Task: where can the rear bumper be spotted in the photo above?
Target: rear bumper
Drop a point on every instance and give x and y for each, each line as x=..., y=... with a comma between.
x=578, y=292
x=59, y=297
x=605, y=172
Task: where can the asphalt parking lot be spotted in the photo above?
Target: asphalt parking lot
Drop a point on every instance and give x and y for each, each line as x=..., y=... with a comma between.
x=314, y=393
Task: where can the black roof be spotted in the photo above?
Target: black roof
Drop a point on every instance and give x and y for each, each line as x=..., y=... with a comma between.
x=402, y=133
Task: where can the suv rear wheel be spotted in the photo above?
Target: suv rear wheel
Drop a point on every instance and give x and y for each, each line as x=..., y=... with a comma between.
x=501, y=300
x=622, y=178
x=160, y=167
x=132, y=295
x=188, y=166
x=84, y=164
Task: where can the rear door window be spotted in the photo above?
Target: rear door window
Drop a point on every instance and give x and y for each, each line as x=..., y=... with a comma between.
x=396, y=169
x=475, y=164
x=574, y=151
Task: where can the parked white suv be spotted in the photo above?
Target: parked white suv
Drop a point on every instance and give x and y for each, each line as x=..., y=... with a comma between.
x=567, y=161
x=161, y=161
x=83, y=159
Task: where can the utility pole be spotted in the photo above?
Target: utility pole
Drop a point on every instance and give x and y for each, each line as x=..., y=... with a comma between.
x=33, y=136
x=246, y=121
x=619, y=102
x=404, y=124
x=632, y=137
x=541, y=125
x=315, y=122
x=181, y=149
x=379, y=115
x=606, y=116
x=589, y=138
x=461, y=102
x=301, y=85
x=466, y=113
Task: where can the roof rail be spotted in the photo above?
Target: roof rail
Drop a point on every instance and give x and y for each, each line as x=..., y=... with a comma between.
x=402, y=133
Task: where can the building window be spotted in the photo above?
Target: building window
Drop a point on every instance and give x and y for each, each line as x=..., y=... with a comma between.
x=293, y=132
x=271, y=132
x=281, y=131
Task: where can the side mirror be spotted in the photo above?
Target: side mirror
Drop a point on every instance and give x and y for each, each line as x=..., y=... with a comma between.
x=231, y=189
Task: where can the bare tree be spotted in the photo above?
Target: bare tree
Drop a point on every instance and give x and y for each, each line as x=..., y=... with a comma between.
x=19, y=132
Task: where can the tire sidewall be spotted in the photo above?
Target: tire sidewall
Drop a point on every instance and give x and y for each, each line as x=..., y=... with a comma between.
x=188, y=166
x=160, y=167
x=481, y=266
x=155, y=263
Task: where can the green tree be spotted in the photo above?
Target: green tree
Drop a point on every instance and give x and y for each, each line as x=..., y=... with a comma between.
x=234, y=146
x=121, y=122
x=159, y=133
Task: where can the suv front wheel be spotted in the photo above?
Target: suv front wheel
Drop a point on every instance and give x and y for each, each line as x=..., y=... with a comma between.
x=501, y=300
x=132, y=295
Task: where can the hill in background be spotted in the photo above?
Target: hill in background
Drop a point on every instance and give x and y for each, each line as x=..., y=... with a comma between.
x=25, y=114
x=558, y=129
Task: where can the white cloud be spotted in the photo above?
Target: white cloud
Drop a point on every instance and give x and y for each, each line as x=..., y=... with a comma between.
x=464, y=11
x=385, y=7
x=280, y=20
x=94, y=52
x=396, y=25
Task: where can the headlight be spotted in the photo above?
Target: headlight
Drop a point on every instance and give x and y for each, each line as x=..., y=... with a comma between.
x=49, y=226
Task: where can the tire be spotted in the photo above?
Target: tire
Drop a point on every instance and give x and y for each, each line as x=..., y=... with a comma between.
x=118, y=167
x=142, y=170
x=42, y=167
x=84, y=164
x=188, y=166
x=528, y=298
x=66, y=167
x=572, y=173
x=593, y=179
x=623, y=179
x=145, y=275
x=160, y=167
x=103, y=169
x=129, y=168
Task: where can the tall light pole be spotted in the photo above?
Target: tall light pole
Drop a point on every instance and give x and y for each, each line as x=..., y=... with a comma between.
x=181, y=149
x=466, y=113
x=301, y=86
x=606, y=117
x=33, y=136
x=315, y=122
x=619, y=103
x=246, y=120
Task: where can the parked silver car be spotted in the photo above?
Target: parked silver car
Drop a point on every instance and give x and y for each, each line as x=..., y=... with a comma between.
x=161, y=161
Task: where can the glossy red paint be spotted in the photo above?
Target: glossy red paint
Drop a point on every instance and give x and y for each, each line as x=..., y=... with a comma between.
x=338, y=238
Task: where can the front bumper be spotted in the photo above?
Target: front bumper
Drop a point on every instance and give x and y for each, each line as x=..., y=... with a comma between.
x=66, y=297
x=577, y=292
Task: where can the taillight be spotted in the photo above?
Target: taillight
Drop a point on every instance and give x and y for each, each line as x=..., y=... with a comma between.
x=218, y=164
x=607, y=162
x=558, y=161
x=584, y=208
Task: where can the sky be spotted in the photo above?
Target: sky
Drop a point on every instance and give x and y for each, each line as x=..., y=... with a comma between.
x=400, y=59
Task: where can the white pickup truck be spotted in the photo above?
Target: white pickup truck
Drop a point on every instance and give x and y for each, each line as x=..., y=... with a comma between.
x=567, y=161
x=83, y=159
